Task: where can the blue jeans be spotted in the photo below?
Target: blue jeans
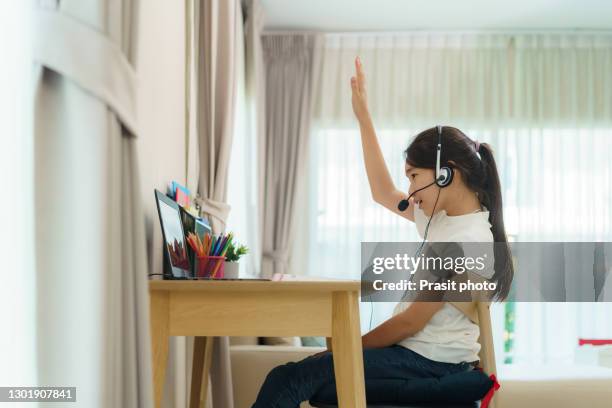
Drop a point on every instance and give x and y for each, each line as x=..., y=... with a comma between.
x=388, y=371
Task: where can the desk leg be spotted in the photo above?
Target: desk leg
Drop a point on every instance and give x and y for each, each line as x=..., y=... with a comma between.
x=347, y=350
x=159, y=339
x=202, y=354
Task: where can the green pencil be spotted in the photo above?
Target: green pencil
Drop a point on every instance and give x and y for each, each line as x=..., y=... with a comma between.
x=229, y=239
x=212, y=246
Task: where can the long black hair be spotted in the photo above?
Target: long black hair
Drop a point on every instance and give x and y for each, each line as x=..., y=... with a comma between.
x=481, y=176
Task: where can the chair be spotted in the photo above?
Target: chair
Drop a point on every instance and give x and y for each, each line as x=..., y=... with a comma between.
x=477, y=311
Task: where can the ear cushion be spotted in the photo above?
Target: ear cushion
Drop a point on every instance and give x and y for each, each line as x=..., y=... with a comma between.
x=446, y=173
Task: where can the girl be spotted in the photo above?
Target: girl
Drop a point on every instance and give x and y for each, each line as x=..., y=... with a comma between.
x=421, y=339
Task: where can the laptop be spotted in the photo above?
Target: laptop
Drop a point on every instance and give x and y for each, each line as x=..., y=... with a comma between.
x=176, y=261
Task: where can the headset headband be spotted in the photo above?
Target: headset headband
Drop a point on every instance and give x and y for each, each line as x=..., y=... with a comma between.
x=438, y=152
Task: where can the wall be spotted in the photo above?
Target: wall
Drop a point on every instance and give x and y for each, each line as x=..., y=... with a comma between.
x=161, y=143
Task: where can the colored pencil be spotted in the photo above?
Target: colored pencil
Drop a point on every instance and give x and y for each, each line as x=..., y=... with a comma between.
x=222, y=245
x=222, y=251
x=212, y=246
x=218, y=246
x=227, y=243
x=206, y=243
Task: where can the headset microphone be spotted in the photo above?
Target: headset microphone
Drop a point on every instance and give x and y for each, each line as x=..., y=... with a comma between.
x=402, y=205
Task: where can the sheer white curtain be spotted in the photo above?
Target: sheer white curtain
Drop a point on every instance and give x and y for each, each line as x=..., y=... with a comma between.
x=340, y=211
x=242, y=177
x=544, y=102
x=242, y=194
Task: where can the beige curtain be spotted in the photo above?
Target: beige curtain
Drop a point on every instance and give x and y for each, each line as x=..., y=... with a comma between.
x=219, y=28
x=292, y=65
x=219, y=31
x=93, y=315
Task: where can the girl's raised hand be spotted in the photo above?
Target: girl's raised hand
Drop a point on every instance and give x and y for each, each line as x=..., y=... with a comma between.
x=359, y=99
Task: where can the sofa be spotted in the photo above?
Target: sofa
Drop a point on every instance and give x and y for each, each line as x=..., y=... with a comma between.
x=562, y=386
x=252, y=361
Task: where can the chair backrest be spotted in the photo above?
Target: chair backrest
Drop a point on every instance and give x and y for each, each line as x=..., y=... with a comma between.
x=487, y=352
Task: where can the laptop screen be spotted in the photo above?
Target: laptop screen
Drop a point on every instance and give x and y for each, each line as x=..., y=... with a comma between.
x=175, y=240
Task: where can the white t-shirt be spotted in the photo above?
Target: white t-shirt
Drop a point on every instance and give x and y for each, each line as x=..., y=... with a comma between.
x=449, y=336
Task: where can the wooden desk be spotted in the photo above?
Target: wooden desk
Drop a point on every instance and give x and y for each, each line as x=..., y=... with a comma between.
x=302, y=306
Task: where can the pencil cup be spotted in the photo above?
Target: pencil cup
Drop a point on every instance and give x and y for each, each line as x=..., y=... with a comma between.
x=210, y=266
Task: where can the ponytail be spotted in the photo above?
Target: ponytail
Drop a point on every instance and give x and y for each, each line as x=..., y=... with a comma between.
x=491, y=197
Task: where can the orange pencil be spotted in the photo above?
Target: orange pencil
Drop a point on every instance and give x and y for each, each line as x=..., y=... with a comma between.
x=208, y=240
x=191, y=243
x=200, y=245
x=217, y=267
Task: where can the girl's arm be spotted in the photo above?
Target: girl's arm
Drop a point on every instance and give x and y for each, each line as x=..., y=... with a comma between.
x=402, y=325
x=383, y=190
